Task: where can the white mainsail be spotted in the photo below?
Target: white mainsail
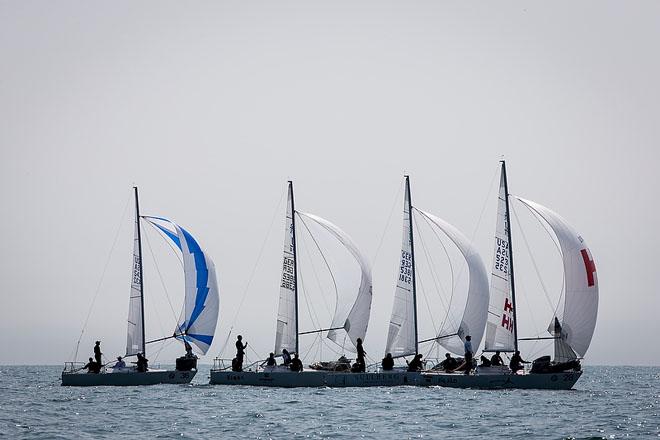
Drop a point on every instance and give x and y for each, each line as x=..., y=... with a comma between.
x=476, y=307
x=500, y=326
x=135, y=331
x=401, y=337
x=578, y=320
x=351, y=277
x=199, y=316
x=286, y=333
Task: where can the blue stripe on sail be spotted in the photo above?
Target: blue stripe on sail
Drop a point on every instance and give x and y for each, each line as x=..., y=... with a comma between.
x=170, y=234
x=206, y=339
x=202, y=277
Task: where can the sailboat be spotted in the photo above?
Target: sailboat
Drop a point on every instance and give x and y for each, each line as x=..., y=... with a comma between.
x=351, y=277
x=195, y=327
x=571, y=328
x=403, y=335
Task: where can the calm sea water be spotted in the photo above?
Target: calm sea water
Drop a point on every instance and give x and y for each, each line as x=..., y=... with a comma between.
x=607, y=402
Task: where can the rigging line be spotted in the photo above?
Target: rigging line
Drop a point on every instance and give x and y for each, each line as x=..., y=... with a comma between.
x=304, y=251
x=162, y=347
x=310, y=310
x=431, y=265
x=529, y=251
x=256, y=263
x=553, y=238
x=428, y=307
x=160, y=323
x=387, y=224
x=105, y=268
x=454, y=281
x=162, y=282
x=332, y=275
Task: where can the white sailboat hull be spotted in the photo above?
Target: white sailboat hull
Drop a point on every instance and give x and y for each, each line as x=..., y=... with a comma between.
x=152, y=377
x=290, y=379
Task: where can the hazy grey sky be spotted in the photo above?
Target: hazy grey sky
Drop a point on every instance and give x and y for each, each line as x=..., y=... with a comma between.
x=212, y=106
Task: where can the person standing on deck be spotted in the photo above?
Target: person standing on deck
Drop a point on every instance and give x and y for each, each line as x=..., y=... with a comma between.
x=468, y=353
x=240, y=350
x=360, y=356
x=97, y=352
x=388, y=362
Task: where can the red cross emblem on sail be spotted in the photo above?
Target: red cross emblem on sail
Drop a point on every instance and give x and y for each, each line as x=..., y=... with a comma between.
x=589, y=266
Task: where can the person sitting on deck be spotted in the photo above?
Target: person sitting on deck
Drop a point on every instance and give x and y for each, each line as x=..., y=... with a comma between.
x=358, y=366
x=517, y=362
x=416, y=363
x=448, y=364
x=270, y=362
x=296, y=364
x=236, y=366
x=388, y=362
x=485, y=362
x=142, y=363
x=286, y=357
x=92, y=367
x=496, y=360
x=119, y=364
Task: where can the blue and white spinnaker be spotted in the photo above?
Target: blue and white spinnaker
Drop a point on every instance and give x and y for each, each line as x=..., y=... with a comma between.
x=201, y=305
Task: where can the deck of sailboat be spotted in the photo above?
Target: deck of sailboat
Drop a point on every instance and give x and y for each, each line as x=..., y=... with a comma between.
x=555, y=381
x=132, y=378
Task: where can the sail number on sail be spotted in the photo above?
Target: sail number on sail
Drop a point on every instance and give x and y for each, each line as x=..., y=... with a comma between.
x=288, y=280
x=405, y=274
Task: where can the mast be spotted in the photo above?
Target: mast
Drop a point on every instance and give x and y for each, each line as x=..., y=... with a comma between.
x=295, y=260
x=412, y=261
x=139, y=237
x=508, y=234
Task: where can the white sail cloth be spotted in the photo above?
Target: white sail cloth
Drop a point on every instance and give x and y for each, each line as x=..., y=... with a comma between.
x=135, y=331
x=401, y=336
x=500, y=326
x=475, y=314
x=287, y=327
x=351, y=276
x=578, y=320
x=199, y=316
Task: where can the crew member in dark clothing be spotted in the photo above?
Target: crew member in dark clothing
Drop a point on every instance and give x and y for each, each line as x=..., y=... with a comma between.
x=517, y=362
x=496, y=359
x=97, y=352
x=360, y=351
x=388, y=362
x=240, y=349
x=270, y=362
x=449, y=363
x=485, y=362
x=416, y=363
x=286, y=357
x=296, y=364
x=92, y=367
x=236, y=366
x=142, y=363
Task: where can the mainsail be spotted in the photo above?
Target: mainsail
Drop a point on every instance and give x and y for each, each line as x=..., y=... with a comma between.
x=476, y=307
x=575, y=326
x=199, y=316
x=402, y=334
x=500, y=333
x=287, y=326
x=351, y=276
x=135, y=331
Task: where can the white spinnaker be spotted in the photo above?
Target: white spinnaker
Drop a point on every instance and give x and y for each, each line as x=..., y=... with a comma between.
x=286, y=337
x=475, y=314
x=135, y=331
x=578, y=320
x=500, y=328
x=401, y=335
x=351, y=275
x=199, y=316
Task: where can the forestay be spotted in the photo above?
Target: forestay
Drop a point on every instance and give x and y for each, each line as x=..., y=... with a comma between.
x=500, y=327
x=475, y=314
x=135, y=331
x=578, y=320
x=199, y=316
x=351, y=276
x=286, y=336
x=401, y=337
